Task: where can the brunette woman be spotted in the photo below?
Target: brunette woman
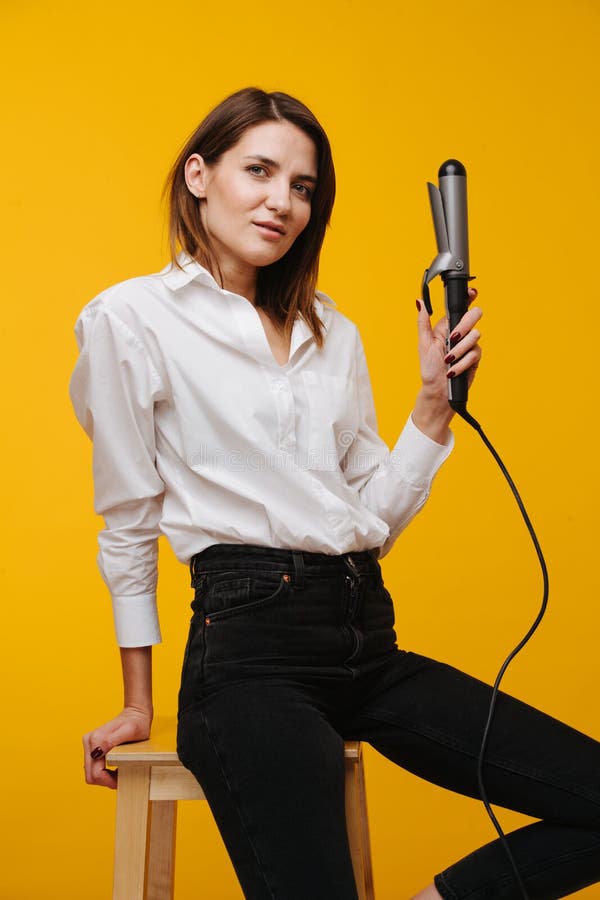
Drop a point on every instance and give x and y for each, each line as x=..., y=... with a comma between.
x=230, y=409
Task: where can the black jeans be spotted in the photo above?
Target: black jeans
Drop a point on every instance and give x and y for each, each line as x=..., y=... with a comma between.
x=291, y=653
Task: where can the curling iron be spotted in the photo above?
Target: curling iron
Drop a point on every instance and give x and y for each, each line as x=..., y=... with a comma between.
x=449, y=211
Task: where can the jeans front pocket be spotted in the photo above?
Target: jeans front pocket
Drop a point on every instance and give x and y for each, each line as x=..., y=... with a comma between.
x=232, y=595
x=244, y=626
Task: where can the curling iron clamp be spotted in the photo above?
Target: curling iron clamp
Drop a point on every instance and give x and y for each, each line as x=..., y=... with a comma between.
x=449, y=210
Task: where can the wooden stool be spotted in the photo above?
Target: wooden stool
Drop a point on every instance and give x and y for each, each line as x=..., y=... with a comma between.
x=152, y=780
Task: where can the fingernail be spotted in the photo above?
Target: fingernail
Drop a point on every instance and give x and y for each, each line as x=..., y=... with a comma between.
x=450, y=374
x=455, y=337
x=97, y=753
x=419, y=305
x=449, y=359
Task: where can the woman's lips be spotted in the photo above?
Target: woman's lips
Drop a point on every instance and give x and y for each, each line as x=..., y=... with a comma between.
x=269, y=231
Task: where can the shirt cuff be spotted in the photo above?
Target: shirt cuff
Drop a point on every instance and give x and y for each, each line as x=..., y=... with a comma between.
x=136, y=620
x=419, y=456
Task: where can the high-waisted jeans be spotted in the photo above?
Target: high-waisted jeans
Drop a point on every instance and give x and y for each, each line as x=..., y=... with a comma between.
x=289, y=654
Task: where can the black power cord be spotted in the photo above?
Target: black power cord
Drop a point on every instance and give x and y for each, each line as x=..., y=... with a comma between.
x=475, y=424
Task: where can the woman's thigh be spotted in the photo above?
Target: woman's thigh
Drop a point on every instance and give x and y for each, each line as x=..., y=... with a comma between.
x=272, y=769
x=429, y=718
x=275, y=643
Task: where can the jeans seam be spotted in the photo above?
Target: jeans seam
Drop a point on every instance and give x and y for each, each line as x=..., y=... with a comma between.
x=476, y=893
x=449, y=892
x=236, y=807
x=495, y=760
x=527, y=872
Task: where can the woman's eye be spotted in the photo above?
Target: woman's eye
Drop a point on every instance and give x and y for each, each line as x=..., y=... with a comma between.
x=260, y=172
x=304, y=191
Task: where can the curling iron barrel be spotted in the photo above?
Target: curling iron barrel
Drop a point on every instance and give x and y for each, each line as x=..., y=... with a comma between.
x=450, y=222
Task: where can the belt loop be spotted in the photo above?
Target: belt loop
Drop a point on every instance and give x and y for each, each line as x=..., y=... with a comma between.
x=298, y=558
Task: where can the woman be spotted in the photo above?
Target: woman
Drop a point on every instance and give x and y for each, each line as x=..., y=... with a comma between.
x=230, y=408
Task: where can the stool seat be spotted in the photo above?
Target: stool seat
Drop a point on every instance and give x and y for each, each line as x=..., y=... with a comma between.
x=151, y=781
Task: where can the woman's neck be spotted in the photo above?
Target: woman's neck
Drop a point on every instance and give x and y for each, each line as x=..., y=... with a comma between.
x=239, y=280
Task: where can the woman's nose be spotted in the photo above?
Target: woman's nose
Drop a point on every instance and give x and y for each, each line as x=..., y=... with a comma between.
x=278, y=198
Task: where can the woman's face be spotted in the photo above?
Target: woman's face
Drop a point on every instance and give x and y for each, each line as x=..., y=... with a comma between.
x=256, y=199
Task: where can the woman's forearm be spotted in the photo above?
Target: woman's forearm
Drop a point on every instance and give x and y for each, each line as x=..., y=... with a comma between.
x=136, y=663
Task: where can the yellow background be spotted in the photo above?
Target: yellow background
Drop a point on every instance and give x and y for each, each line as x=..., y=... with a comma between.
x=98, y=98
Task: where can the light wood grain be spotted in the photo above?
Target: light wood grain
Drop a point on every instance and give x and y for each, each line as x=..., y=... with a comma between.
x=131, y=837
x=174, y=783
x=357, y=823
x=161, y=856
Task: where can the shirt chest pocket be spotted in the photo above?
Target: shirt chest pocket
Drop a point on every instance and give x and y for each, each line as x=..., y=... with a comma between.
x=332, y=417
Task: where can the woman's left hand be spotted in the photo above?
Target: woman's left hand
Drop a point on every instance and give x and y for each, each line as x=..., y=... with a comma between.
x=432, y=412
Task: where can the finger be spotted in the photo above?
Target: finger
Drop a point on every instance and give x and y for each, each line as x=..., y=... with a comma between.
x=95, y=766
x=88, y=759
x=467, y=322
x=106, y=778
x=423, y=324
x=93, y=758
x=102, y=777
x=427, y=334
x=468, y=361
x=472, y=294
x=458, y=349
x=96, y=744
x=471, y=374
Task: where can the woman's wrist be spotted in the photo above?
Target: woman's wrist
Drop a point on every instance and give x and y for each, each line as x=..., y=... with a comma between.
x=136, y=663
x=432, y=415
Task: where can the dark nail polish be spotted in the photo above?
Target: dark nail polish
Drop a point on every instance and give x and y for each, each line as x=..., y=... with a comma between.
x=449, y=359
x=450, y=374
x=454, y=337
x=419, y=305
x=97, y=753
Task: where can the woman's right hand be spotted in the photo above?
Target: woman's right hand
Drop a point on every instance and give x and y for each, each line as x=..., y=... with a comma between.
x=131, y=724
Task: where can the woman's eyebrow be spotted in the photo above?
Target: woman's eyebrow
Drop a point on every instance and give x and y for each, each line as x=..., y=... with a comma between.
x=275, y=165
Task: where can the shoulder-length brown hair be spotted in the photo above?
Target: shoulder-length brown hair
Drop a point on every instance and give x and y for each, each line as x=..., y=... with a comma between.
x=287, y=287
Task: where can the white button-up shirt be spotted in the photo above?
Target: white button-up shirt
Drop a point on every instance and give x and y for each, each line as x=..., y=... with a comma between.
x=198, y=433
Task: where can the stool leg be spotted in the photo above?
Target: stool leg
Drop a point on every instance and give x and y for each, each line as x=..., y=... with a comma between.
x=161, y=857
x=133, y=798
x=358, y=828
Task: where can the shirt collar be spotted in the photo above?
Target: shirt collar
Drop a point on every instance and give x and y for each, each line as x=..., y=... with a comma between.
x=191, y=270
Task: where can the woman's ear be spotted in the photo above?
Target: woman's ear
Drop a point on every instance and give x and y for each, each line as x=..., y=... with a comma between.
x=195, y=175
